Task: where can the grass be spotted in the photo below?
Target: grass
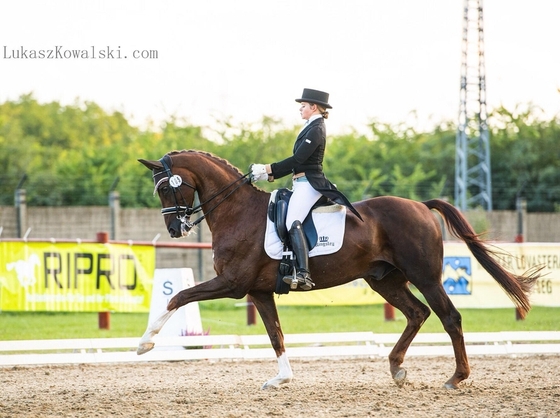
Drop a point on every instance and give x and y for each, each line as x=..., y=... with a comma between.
x=224, y=317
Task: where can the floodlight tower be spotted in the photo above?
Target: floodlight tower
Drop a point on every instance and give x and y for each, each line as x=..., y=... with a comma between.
x=473, y=186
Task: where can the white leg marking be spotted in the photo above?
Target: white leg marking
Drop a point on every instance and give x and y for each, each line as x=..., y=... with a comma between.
x=147, y=341
x=284, y=375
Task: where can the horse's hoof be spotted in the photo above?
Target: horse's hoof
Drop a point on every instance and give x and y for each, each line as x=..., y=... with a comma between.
x=449, y=385
x=400, y=377
x=269, y=385
x=144, y=348
x=276, y=382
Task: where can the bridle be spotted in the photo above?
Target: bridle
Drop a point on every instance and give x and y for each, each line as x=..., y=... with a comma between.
x=183, y=211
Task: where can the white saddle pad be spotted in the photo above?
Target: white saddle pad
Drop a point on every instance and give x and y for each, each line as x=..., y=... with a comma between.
x=330, y=222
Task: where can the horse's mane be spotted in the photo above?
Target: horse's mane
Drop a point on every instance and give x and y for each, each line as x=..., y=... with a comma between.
x=210, y=155
x=214, y=157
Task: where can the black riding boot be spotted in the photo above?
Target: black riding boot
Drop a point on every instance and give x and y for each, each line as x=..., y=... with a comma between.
x=301, y=253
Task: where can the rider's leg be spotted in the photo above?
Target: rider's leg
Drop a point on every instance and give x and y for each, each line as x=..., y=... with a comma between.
x=301, y=253
x=303, y=198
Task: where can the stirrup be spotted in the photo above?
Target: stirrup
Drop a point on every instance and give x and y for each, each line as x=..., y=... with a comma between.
x=306, y=283
x=292, y=280
x=298, y=279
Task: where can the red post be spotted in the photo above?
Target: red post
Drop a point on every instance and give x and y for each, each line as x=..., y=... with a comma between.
x=104, y=318
x=389, y=312
x=103, y=237
x=251, y=312
x=519, y=239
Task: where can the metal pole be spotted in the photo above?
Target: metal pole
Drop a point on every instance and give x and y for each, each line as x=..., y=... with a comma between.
x=115, y=205
x=20, y=201
x=521, y=206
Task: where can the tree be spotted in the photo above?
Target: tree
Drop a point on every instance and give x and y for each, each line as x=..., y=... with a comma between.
x=525, y=159
x=74, y=154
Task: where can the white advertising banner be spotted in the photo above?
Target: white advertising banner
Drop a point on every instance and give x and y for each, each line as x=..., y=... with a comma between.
x=470, y=286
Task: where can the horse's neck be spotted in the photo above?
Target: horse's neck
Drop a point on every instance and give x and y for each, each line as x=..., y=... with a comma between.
x=224, y=199
x=223, y=193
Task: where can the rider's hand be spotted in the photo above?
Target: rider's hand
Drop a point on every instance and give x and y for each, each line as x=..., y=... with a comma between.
x=258, y=172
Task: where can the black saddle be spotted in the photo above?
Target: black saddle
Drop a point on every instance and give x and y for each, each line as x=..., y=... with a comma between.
x=278, y=209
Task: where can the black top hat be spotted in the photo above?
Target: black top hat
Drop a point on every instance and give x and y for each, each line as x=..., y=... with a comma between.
x=315, y=96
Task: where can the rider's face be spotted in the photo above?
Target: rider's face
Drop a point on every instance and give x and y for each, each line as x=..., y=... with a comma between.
x=307, y=110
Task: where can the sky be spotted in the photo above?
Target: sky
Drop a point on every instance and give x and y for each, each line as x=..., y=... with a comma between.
x=390, y=61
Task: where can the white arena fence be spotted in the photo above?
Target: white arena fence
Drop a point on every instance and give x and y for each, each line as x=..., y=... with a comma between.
x=252, y=347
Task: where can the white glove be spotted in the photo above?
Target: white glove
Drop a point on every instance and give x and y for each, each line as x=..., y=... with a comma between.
x=258, y=172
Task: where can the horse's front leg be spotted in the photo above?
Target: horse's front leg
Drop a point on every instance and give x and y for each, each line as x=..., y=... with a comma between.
x=147, y=341
x=266, y=306
x=213, y=289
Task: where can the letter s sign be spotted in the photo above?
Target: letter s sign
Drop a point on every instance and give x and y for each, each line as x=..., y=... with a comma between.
x=167, y=288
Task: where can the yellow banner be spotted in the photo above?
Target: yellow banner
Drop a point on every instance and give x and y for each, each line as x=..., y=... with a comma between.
x=84, y=277
x=356, y=292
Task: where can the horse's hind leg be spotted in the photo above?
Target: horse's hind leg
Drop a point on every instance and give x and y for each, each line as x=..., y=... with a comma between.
x=266, y=306
x=451, y=320
x=394, y=290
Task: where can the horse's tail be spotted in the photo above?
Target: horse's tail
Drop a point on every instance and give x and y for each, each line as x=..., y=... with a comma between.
x=517, y=287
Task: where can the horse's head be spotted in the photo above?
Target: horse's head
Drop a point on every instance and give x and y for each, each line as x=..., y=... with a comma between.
x=176, y=193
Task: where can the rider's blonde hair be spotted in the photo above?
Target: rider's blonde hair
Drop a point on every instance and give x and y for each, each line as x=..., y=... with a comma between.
x=323, y=110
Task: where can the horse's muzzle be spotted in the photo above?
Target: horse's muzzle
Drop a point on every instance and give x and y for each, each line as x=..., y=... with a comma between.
x=175, y=228
x=174, y=233
x=179, y=227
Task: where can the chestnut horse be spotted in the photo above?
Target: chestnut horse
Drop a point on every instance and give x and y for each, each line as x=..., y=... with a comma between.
x=400, y=241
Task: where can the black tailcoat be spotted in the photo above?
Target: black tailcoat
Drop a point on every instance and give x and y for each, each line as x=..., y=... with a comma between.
x=309, y=150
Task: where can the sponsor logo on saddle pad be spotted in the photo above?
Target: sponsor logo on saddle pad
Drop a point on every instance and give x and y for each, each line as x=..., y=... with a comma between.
x=324, y=242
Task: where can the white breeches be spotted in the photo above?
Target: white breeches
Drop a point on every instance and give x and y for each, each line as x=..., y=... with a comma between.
x=303, y=198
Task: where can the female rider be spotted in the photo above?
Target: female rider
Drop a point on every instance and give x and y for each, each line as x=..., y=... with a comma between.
x=309, y=181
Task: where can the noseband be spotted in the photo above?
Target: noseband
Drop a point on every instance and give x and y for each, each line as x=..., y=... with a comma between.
x=183, y=211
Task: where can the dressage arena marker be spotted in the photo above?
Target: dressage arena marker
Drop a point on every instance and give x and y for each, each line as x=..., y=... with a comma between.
x=254, y=347
x=167, y=283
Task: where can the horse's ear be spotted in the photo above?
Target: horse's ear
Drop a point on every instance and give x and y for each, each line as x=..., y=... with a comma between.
x=152, y=165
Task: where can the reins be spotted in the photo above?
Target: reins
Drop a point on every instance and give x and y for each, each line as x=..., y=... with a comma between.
x=176, y=181
x=199, y=207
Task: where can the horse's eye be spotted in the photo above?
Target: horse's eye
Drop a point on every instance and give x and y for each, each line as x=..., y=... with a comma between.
x=164, y=189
